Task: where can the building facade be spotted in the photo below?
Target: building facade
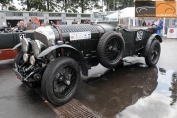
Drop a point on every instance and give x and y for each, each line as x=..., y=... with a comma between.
x=14, y=17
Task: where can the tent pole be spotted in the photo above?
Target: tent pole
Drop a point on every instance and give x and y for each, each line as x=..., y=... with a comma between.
x=163, y=30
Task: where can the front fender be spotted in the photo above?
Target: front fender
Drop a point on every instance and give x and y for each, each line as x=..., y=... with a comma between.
x=18, y=45
x=75, y=54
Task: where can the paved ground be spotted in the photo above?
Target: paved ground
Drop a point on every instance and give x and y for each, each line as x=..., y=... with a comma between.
x=16, y=100
x=132, y=91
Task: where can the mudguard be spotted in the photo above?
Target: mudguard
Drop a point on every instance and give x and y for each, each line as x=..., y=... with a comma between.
x=151, y=38
x=76, y=55
x=18, y=45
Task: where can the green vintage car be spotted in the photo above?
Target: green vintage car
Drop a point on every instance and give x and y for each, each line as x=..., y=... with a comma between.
x=60, y=54
x=11, y=39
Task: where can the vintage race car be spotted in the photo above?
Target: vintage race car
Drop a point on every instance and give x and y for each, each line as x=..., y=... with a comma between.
x=59, y=53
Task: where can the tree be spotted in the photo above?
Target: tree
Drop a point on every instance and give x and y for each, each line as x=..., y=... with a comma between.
x=6, y=1
x=37, y=4
x=118, y=4
x=73, y=5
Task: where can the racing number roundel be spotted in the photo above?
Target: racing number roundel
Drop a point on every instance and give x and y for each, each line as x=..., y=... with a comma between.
x=139, y=35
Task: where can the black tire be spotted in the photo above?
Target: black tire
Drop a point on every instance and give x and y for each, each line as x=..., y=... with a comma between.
x=18, y=59
x=110, y=49
x=152, y=53
x=43, y=88
x=60, y=80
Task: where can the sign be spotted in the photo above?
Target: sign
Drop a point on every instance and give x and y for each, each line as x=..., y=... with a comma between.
x=80, y=35
x=172, y=33
x=155, y=9
x=22, y=36
x=139, y=35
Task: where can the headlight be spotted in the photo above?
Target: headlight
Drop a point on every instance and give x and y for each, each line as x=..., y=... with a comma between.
x=32, y=60
x=37, y=47
x=25, y=45
x=25, y=57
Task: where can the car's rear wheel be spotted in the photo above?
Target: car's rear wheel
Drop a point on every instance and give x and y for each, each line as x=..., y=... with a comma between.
x=152, y=54
x=110, y=49
x=60, y=80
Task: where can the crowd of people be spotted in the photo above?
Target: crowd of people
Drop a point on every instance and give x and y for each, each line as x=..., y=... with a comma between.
x=77, y=22
x=34, y=22
x=158, y=23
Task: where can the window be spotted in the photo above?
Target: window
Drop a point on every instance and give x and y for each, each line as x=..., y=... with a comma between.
x=32, y=14
x=14, y=14
x=85, y=15
x=35, y=14
x=71, y=15
x=97, y=15
x=54, y=14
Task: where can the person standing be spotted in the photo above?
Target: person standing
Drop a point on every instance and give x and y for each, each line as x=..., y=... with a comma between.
x=8, y=25
x=21, y=26
x=47, y=23
x=29, y=26
x=159, y=24
x=144, y=23
x=74, y=22
x=34, y=23
x=58, y=23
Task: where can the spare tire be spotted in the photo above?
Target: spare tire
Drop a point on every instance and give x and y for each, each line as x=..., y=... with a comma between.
x=110, y=49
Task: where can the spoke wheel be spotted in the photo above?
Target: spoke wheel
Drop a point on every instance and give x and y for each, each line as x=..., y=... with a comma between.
x=113, y=49
x=60, y=80
x=64, y=82
x=152, y=54
x=110, y=49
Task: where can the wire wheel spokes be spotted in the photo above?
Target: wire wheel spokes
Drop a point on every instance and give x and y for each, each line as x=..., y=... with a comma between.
x=64, y=81
x=113, y=49
x=154, y=53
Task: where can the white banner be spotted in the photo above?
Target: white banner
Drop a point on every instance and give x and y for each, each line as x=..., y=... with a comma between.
x=172, y=33
x=80, y=35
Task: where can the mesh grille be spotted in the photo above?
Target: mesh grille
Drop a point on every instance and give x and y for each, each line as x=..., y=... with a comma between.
x=77, y=28
x=75, y=109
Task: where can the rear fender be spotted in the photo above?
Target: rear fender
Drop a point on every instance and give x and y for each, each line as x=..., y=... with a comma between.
x=154, y=37
x=151, y=38
x=75, y=54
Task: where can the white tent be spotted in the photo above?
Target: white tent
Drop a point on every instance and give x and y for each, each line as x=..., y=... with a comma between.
x=112, y=17
x=128, y=12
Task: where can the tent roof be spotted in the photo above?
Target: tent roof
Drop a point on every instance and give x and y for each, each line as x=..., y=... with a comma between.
x=124, y=13
x=127, y=12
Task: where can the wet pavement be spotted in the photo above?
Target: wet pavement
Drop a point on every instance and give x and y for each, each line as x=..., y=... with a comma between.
x=17, y=100
x=130, y=91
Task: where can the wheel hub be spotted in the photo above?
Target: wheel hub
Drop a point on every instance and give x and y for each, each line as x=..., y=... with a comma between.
x=113, y=49
x=64, y=81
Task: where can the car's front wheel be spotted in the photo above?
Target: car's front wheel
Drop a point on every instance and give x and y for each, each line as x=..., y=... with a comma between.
x=60, y=80
x=18, y=61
